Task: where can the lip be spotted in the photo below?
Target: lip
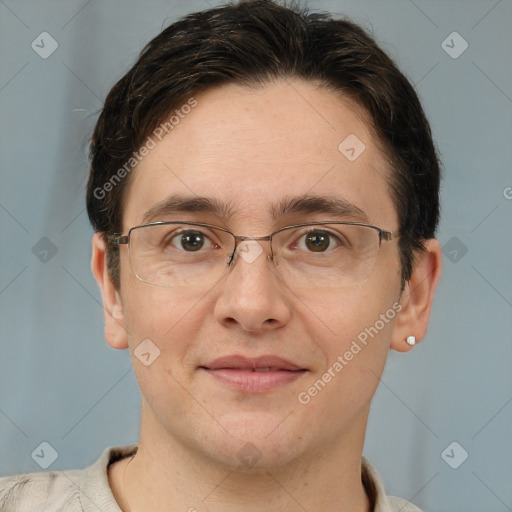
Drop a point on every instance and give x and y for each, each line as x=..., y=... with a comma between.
x=253, y=375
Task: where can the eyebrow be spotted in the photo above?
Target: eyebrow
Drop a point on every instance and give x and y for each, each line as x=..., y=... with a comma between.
x=329, y=205
x=305, y=204
x=178, y=203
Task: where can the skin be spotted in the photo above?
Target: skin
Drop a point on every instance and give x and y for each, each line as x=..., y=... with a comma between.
x=252, y=148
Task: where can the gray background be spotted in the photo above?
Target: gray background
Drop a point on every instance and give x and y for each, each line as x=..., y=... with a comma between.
x=61, y=384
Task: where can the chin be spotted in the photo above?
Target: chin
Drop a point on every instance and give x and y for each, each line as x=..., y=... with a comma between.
x=255, y=442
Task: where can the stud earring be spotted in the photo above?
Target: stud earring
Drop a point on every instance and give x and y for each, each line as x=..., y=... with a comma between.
x=411, y=340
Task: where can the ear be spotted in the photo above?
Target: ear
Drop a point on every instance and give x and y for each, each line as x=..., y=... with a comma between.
x=115, y=332
x=417, y=297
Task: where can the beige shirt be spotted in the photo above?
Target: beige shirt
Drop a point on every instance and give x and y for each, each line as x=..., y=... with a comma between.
x=88, y=490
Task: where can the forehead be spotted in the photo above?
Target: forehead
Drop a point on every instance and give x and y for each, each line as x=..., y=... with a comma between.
x=253, y=149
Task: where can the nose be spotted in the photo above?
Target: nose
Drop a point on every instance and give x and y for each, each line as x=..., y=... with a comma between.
x=252, y=296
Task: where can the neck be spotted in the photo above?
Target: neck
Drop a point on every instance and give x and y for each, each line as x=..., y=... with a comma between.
x=169, y=473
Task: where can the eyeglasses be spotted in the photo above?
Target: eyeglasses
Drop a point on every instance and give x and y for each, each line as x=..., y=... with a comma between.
x=313, y=255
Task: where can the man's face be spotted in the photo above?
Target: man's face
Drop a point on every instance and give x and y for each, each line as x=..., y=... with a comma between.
x=253, y=150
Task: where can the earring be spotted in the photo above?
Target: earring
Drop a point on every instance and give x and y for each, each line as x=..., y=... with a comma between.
x=411, y=340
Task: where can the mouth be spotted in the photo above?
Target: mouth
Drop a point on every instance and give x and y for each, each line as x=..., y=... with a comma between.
x=253, y=375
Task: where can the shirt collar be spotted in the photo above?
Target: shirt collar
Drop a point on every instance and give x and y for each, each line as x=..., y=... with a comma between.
x=95, y=492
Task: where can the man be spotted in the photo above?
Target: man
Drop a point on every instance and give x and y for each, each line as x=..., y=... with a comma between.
x=264, y=190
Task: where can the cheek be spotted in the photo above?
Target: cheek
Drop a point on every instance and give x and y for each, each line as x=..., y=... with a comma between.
x=353, y=332
x=170, y=318
x=336, y=317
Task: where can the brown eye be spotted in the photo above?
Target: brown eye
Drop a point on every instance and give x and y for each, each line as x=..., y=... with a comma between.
x=317, y=241
x=189, y=241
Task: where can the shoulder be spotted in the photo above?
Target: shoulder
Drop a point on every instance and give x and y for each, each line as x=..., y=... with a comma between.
x=85, y=490
x=376, y=491
x=58, y=490
x=401, y=505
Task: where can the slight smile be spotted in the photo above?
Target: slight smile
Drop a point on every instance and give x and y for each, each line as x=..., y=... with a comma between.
x=254, y=375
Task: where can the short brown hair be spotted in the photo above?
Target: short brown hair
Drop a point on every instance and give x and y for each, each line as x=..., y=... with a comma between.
x=253, y=43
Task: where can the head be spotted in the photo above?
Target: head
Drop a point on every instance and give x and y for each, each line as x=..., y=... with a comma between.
x=247, y=105
x=253, y=44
